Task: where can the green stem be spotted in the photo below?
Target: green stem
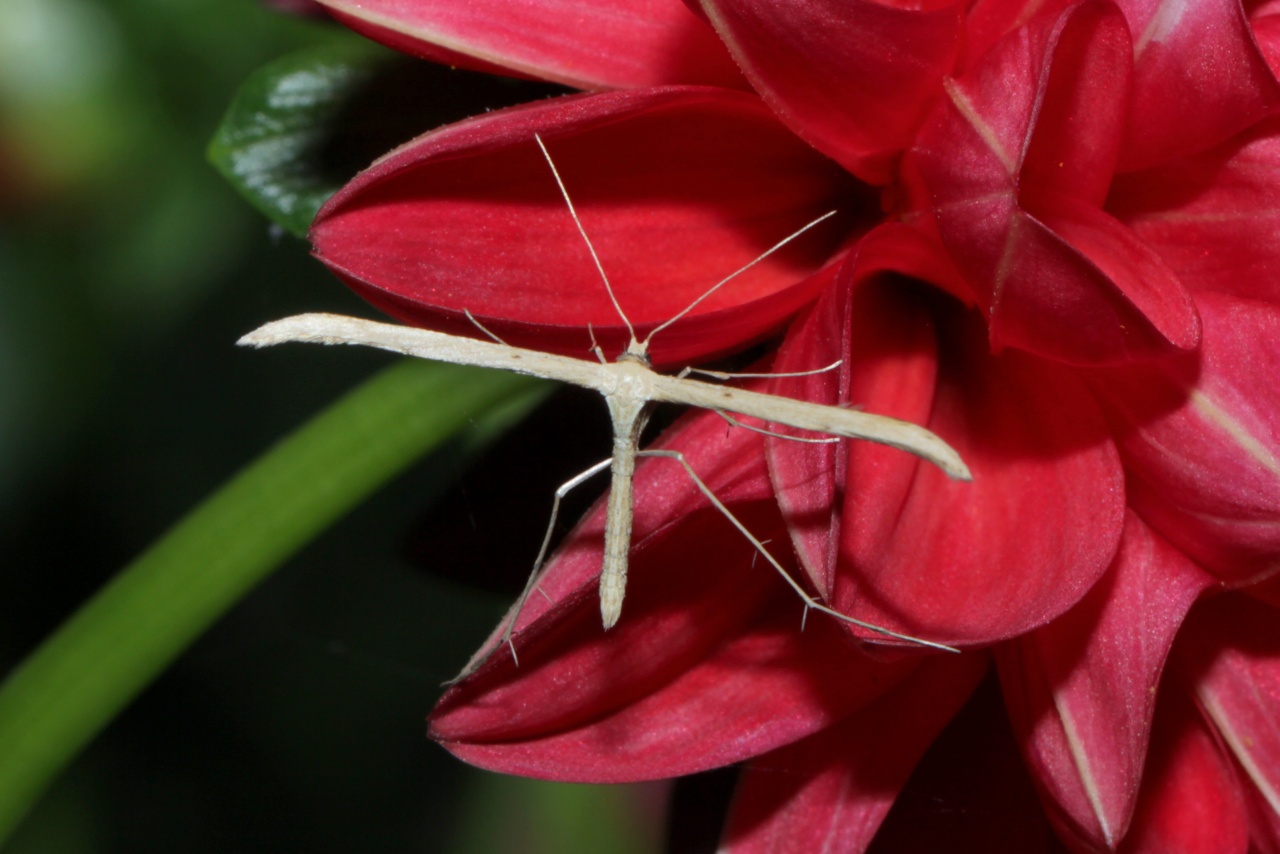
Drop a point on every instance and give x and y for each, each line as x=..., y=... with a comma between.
x=65, y=692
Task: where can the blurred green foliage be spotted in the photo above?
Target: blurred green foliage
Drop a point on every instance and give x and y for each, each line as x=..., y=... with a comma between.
x=127, y=269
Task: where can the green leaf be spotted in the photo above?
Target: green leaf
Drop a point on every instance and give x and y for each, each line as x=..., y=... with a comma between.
x=300, y=127
x=96, y=663
x=280, y=143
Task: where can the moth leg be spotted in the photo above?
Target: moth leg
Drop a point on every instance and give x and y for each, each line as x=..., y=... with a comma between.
x=532, y=584
x=809, y=601
x=484, y=328
x=721, y=375
x=733, y=422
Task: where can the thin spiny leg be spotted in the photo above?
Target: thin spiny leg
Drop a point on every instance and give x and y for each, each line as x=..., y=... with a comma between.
x=722, y=375
x=733, y=422
x=532, y=584
x=563, y=490
x=483, y=328
x=595, y=345
x=809, y=601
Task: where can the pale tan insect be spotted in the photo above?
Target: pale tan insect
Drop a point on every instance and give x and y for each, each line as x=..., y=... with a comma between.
x=630, y=388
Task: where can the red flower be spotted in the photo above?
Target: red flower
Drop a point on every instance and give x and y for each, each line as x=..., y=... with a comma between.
x=1058, y=248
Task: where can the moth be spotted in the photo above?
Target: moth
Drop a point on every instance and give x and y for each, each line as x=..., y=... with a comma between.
x=630, y=388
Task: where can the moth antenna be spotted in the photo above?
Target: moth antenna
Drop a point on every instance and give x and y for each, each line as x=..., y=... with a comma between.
x=735, y=274
x=604, y=277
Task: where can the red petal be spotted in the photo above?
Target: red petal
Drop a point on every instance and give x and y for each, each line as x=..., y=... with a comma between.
x=603, y=45
x=1264, y=19
x=1081, y=691
x=853, y=77
x=1264, y=821
x=1147, y=287
x=953, y=562
x=986, y=21
x=1198, y=78
x=830, y=791
x=762, y=685
x=894, y=247
x=1014, y=166
x=1213, y=217
x=1232, y=657
x=708, y=634
x=1073, y=135
x=888, y=365
x=1201, y=440
x=1191, y=800
x=676, y=187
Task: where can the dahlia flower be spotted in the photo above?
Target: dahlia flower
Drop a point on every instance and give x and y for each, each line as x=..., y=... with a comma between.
x=1057, y=246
